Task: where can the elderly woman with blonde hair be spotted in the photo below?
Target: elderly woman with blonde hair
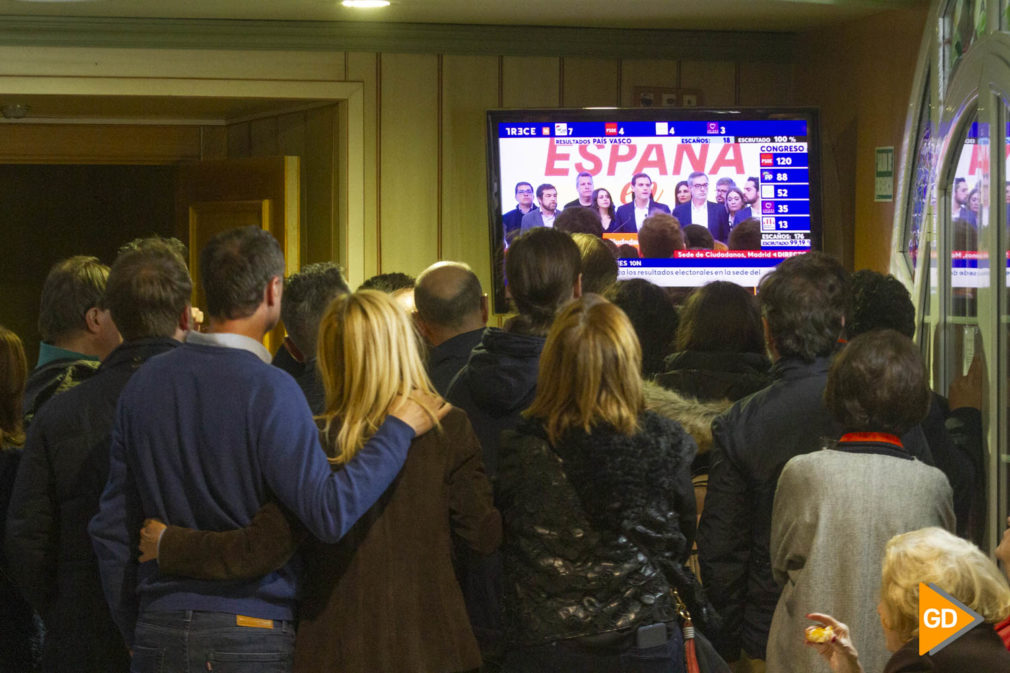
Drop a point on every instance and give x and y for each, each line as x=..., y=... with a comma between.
x=931, y=556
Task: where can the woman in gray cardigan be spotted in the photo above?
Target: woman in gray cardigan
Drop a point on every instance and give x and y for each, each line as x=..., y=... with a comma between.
x=836, y=509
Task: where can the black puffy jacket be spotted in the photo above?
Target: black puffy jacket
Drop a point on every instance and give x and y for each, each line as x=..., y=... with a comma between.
x=59, y=483
x=594, y=526
x=711, y=376
x=497, y=384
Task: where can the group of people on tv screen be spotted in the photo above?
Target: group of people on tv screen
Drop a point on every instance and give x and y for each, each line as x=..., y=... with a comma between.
x=732, y=207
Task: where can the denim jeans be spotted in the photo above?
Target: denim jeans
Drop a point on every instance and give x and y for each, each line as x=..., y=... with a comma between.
x=197, y=642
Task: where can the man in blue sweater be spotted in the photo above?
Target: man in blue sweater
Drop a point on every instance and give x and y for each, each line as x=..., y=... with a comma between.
x=204, y=435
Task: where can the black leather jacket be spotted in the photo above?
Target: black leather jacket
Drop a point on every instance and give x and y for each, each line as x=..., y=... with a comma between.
x=594, y=527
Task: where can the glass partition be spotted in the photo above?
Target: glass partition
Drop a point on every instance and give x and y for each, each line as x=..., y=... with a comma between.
x=920, y=194
x=970, y=306
x=963, y=22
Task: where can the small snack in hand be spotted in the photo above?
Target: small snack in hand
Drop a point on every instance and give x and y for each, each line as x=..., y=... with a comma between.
x=820, y=634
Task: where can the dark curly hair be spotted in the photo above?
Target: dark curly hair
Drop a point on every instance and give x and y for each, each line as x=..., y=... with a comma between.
x=805, y=301
x=880, y=302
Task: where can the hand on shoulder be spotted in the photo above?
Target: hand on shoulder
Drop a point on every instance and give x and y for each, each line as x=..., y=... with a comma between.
x=420, y=410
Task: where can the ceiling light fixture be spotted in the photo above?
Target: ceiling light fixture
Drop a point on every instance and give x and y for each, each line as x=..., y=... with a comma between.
x=365, y=4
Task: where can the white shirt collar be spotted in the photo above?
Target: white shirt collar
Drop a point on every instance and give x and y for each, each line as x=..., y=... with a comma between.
x=230, y=340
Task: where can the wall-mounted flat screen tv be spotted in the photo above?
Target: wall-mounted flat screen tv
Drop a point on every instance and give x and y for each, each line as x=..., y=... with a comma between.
x=748, y=179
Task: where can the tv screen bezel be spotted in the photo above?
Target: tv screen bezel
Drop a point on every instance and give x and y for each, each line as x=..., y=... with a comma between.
x=552, y=115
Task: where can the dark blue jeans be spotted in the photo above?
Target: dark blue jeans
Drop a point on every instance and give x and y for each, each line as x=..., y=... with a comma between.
x=570, y=657
x=197, y=642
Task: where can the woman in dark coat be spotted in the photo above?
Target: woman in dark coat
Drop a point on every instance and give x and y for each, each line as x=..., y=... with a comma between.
x=385, y=598
x=598, y=508
x=18, y=634
x=720, y=346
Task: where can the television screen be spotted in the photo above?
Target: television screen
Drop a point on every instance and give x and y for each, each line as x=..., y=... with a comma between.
x=747, y=180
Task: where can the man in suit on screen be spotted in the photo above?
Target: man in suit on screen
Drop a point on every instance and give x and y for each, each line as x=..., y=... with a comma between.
x=630, y=216
x=699, y=210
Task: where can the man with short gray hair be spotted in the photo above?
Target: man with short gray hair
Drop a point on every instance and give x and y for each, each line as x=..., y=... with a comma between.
x=306, y=296
x=451, y=313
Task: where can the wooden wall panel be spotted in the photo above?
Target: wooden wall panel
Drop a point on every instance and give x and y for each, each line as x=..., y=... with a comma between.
x=263, y=137
x=530, y=82
x=214, y=142
x=98, y=144
x=239, y=141
x=470, y=87
x=591, y=82
x=763, y=83
x=716, y=79
x=407, y=225
x=363, y=67
x=320, y=233
x=639, y=72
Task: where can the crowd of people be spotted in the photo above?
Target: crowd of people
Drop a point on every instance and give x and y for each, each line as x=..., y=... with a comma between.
x=733, y=206
x=618, y=479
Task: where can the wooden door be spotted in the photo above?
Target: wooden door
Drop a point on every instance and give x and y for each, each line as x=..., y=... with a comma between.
x=212, y=196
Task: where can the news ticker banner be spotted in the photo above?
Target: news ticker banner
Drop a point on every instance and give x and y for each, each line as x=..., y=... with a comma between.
x=612, y=152
x=689, y=268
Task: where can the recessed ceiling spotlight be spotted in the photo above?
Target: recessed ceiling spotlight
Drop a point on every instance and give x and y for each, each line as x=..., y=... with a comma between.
x=365, y=4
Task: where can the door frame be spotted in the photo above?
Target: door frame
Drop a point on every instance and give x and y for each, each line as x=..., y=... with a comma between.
x=350, y=130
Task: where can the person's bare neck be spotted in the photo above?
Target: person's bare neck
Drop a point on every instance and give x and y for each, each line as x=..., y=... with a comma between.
x=639, y=203
x=698, y=204
x=252, y=326
x=78, y=342
x=438, y=335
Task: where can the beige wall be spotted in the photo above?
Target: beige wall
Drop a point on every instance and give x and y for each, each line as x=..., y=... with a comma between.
x=422, y=174
x=309, y=134
x=860, y=75
x=426, y=182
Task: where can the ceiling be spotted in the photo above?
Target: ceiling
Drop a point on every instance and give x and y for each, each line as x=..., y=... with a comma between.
x=739, y=15
x=681, y=15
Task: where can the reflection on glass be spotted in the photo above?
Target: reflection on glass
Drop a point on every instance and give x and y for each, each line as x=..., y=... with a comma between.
x=969, y=214
x=919, y=194
x=964, y=21
x=964, y=350
x=1003, y=473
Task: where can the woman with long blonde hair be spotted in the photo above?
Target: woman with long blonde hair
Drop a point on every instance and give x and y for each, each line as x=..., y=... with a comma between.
x=598, y=504
x=384, y=598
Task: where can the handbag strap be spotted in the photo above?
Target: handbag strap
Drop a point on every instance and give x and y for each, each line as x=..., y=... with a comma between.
x=690, y=653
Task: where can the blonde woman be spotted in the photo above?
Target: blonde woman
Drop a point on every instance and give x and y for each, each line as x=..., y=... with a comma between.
x=598, y=505
x=930, y=555
x=385, y=597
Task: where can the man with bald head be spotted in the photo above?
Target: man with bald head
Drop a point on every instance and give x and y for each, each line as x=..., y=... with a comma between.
x=451, y=312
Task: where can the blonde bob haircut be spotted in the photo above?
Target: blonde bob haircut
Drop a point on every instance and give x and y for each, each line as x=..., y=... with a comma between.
x=590, y=371
x=367, y=353
x=951, y=563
